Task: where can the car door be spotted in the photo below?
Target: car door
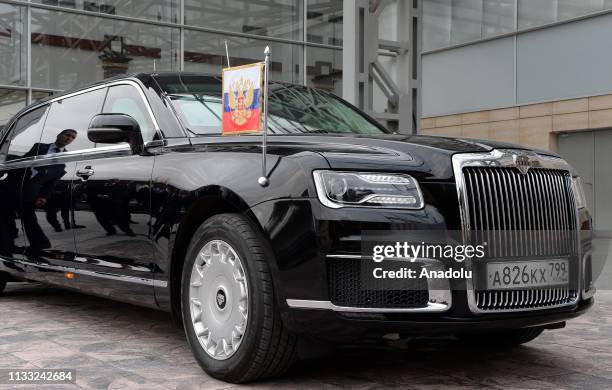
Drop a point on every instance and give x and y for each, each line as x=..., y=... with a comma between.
x=18, y=150
x=47, y=184
x=112, y=213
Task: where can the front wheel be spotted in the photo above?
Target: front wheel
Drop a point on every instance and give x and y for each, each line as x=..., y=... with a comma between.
x=232, y=320
x=505, y=338
x=3, y=280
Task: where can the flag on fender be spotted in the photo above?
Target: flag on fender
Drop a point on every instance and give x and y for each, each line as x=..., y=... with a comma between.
x=242, y=99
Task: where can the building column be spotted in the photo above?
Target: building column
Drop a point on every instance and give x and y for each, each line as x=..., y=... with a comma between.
x=363, y=70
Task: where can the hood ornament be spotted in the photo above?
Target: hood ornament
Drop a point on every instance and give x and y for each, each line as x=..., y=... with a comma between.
x=523, y=163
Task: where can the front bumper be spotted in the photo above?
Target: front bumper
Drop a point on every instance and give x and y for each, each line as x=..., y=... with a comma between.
x=305, y=236
x=349, y=327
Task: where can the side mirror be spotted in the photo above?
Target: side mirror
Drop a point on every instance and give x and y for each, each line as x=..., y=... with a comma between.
x=114, y=129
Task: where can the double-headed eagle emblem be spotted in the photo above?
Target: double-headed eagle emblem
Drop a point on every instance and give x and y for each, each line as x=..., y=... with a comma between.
x=241, y=95
x=241, y=99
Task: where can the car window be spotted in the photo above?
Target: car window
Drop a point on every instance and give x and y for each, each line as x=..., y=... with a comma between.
x=125, y=99
x=292, y=109
x=22, y=142
x=68, y=120
x=203, y=113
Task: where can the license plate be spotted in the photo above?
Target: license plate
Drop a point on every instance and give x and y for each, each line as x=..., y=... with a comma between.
x=526, y=274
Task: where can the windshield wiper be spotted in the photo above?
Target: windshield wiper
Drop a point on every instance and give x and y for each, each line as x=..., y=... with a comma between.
x=316, y=131
x=168, y=101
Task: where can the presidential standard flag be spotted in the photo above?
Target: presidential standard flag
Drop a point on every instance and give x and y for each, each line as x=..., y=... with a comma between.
x=242, y=86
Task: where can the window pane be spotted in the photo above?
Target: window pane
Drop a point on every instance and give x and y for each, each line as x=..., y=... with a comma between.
x=203, y=114
x=436, y=24
x=304, y=110
x=325, y=21
x=73, y=113
x=12, y=45
x=324, y=69
x=11, y=101
x=73, y=50
x=26, y=134
x=466, y=21
x=293, y=109
x=532, y=13
x=274, y=18
x=40, y=95
x=197, y=100
x=498, y=17
x=573, y=8
x=162, y=10
x=125, y=99
x=205, y=52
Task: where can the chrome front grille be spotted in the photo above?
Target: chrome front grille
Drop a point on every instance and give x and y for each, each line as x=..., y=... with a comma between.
x=522, y=205
x=521, y=215
x=524, y=299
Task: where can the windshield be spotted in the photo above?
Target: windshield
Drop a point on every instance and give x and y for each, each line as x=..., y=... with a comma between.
x=293, y=110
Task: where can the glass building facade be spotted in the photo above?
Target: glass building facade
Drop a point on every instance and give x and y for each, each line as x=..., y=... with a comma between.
x=507, y=53
x=454, y=22
x=48, y=46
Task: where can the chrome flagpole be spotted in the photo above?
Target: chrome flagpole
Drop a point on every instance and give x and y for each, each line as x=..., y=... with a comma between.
x=227, y=54
x=263, y=180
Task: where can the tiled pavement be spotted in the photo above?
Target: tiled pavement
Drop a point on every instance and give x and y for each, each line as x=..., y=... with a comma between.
x=113, y=345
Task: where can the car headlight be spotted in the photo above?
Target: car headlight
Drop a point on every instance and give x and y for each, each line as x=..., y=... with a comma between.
x=579, y=192
x=359, y=189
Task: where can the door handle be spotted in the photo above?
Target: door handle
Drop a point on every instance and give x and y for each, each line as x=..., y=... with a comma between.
x=3, y=176
x=85, y=173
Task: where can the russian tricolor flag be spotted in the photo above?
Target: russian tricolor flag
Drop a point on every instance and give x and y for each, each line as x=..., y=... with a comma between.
x=242, y=87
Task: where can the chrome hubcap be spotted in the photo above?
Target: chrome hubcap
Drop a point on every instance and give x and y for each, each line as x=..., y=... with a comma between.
x=219, y=299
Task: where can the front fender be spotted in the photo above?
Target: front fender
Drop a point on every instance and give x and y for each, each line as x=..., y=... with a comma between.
x=190, y=186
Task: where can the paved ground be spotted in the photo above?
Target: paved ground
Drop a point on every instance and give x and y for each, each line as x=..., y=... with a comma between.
x=112, y=345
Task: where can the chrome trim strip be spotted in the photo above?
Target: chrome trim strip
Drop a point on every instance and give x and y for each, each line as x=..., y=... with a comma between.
x=108, y=85
x=345, y=257
x=55, y=158
x=127, y=279
x=503, y=158
x=327, y=305
x=103, y=152
x=120, y=278
x=22, y=163
x=526, y=297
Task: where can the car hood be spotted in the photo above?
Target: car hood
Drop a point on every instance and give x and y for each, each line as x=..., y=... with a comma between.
x=430, y=157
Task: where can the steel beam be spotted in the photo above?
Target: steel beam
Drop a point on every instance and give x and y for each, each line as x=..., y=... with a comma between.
x=362, y=70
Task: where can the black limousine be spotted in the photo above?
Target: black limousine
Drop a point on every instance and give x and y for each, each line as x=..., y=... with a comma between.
x=126, y=189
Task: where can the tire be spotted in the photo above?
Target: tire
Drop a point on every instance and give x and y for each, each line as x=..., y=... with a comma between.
x=3, y=280
x=266, y=348
x=504, y=339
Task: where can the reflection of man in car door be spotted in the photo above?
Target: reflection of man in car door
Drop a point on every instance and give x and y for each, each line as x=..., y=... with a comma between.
x=9, y=197
x=38, y=186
